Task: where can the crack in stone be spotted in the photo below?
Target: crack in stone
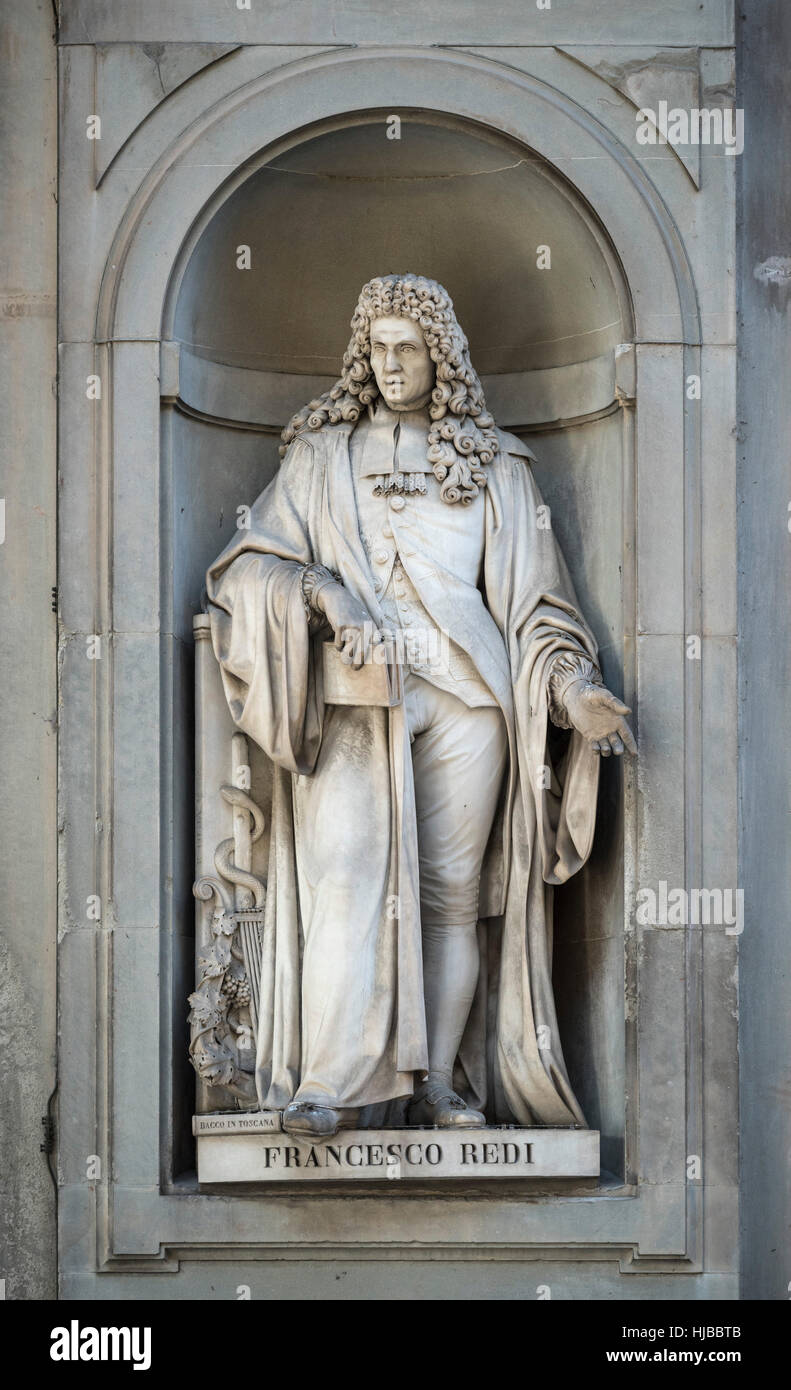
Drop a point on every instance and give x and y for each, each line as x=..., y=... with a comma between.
x=395, y=178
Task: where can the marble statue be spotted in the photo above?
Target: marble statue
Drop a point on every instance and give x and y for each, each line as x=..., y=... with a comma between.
x=418, y=827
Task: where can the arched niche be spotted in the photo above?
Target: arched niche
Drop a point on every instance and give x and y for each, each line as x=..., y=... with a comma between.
x=462, y=203
x=155, y=523
x=542, y=298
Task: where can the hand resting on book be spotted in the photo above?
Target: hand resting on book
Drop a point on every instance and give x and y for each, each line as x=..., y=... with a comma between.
x=354, y=628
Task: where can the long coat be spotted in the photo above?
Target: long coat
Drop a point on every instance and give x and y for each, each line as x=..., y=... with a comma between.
x=342, y=1011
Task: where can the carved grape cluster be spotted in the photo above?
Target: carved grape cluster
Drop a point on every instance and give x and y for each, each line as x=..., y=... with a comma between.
x=236, y=990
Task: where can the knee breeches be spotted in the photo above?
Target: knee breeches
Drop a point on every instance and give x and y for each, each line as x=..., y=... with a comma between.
x=458, y=757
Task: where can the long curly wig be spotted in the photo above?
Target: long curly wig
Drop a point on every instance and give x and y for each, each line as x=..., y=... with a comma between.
x=461, y=440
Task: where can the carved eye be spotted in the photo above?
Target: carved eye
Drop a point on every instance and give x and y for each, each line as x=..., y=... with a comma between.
x=407, y=347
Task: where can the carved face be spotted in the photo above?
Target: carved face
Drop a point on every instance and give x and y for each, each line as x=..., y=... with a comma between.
x=401, y=363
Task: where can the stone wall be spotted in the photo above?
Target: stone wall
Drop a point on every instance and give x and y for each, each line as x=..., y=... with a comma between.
x=28, y=642
x=764, y=490
x=195, y=99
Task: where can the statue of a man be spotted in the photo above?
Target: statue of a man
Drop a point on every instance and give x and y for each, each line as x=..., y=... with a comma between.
x=407, y=940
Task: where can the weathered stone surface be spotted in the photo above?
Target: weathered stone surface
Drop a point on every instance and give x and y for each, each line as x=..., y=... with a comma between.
x=132, y=79
x=648, y=76
x=378, y=21
x=764, y=551
x=28, y=644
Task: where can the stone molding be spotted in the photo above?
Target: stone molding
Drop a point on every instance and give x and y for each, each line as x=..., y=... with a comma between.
x=143, y=1221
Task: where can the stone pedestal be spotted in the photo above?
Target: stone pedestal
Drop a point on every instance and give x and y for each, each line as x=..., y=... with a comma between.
x=244, y=1148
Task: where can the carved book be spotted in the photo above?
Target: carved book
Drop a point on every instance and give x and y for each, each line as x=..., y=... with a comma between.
x=378, y=682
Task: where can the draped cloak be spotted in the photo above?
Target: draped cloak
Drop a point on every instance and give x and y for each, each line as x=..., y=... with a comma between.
x=342, y=954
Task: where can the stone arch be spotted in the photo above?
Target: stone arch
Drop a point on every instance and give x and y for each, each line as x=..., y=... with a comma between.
x=197, y=169
x=263, y=117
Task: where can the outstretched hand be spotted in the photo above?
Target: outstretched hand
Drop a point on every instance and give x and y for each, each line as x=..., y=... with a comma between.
x=599, y=717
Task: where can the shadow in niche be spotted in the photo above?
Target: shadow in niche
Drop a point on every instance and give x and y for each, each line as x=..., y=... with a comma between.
x=588, y=956
x=319, y=221
x=579, y=471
